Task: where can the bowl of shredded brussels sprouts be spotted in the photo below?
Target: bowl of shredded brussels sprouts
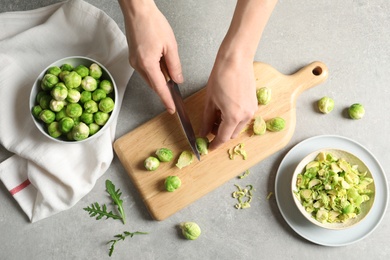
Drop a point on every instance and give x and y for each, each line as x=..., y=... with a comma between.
x=333, y=189
x=72, y=100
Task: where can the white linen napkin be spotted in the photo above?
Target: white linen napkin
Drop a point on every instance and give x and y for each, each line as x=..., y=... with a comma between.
x=46, y=177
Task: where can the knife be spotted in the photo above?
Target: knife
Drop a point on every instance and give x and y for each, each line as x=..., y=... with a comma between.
x=180, y=109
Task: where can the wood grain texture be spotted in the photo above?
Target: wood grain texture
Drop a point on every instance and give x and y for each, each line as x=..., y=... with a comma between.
x=216, y=168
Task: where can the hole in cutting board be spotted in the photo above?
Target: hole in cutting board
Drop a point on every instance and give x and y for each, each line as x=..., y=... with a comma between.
x=317, y=71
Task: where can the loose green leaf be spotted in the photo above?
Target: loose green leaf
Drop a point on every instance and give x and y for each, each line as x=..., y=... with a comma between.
x=116, y=197
x=120, y=237
x=100, y=212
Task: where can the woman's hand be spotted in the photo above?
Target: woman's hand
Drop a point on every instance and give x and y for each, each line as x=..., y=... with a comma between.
x=150, y=38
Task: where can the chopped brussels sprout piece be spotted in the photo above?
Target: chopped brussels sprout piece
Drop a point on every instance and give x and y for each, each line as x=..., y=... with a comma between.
x=356, y=111
x=190, y=230
x=172, y=183
x=185, y=159
x=164, y=154
x=263, y=95
x=332, y=196
x=276, y=124
x=202, y=145
x=325, y=105
x=259, y=126
x=151, y=163
x=237, y=150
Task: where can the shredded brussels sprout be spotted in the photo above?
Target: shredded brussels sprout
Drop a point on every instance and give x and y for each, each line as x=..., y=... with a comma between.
x=332, y=189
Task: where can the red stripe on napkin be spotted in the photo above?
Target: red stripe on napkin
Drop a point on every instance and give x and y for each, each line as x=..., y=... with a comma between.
x=20, y=187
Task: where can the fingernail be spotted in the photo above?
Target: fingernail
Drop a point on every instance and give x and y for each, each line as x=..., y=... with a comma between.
x=180, y=77
x=171, y=111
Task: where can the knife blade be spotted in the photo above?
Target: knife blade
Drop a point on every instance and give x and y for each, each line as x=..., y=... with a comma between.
x=183, y=117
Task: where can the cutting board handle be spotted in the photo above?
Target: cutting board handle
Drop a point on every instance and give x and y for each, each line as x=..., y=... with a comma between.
x=309, y=76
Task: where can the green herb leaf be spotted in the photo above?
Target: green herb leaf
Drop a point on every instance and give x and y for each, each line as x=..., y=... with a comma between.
x=122, y=237
x=115, y=196
x=100, y=212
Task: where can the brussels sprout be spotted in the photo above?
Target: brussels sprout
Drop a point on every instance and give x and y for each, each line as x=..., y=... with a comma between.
x=53, y=130
x=85, y=96
x=356, y=111
x=66, y=124
x=259, y=126
x=106, y=105
x=66, y=67
x=190, y=230
x=74, y=110
x=72, y=80
x=151, y=163
x=82, y=70
x=164, y=154
x=202, y=145
x=86, y=118
x=47, y=116
x=185, y=159
x=44, y=101
x=263, y=95
x=98, y=95
x=93, y=128
x=55, y=70
x=39, y=95
x=49, y=81
x=100, y=118
x=80, y=131
x=91, y=106
x=73, y=96
x=61, y=114
x=59, y=92
x=36, y=110
x=95, y=71
x=276, y=124
x=89, y=83
x=172, y=183
x=106, y=85
x=56, y=106
x=63, y=74
x=325, y=105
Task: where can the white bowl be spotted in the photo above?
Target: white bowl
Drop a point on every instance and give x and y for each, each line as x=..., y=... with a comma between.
x=351, y=159
x=74, y=61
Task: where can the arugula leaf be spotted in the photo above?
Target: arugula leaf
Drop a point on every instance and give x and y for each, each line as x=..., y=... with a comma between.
x=120, y=237
x=115, y=195
x=100, y=212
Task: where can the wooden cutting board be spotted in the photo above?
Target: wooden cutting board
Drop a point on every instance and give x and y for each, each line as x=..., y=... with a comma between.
x=216, y=168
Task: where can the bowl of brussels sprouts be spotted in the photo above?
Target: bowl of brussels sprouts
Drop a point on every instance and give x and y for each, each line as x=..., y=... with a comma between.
x=72, y=100
x=333, y=189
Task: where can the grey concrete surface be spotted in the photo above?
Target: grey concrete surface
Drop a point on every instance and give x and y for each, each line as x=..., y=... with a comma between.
x=351, y=37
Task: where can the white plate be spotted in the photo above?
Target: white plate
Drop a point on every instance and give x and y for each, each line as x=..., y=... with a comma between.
x=307, y=229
